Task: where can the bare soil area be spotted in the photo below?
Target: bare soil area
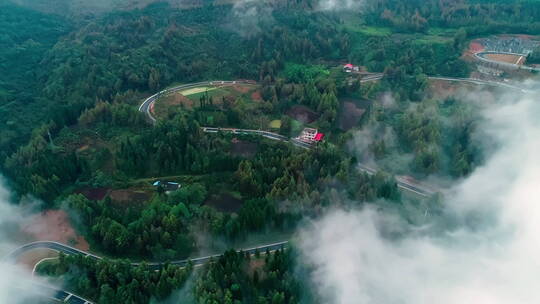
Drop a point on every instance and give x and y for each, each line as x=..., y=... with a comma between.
x=168, y=104
x=54, y=225
x=242, y=88
x=224, y=202
x=302, y=114
x=350, y=115
x=440, y=89
x=504, y=58
x=129, y=196
x=30, y=259
x=256, y=265
x=243, y=148
x=93, y=194
x=256, y=96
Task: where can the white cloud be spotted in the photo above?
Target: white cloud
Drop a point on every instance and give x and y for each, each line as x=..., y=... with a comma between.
x=16, y=284
x=490, y=253
x=341, y=5
x=248, y=15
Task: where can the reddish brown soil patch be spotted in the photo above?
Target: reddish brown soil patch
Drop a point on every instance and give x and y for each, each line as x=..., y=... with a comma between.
x=83, y=148
x=350, y=115
x=256, y=96
x=224, y=202
x=442, y=89
x=475, y=47
x=241, y=88
x=168, y=104
x=93, y=194
x=54, y=225
x=243, y=148
x=30, y=259
x=129, y=196
x=504, y=58
x=302, y=114
x=256, y=264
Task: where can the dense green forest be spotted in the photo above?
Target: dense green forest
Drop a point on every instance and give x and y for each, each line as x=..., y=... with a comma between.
x=69, y=121
x=235, y=277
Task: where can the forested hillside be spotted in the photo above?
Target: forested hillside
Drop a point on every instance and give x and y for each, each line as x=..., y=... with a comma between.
x=25, y=38
x=164, y=182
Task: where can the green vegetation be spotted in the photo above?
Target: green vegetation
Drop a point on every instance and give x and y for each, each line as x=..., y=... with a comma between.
x=69, y=120
x=106, y=281
x=25, y=38
x=534, y=57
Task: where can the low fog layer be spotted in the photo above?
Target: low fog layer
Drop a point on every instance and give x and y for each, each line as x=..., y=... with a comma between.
x=491, y=255
x=341, y=5
x=16, y=284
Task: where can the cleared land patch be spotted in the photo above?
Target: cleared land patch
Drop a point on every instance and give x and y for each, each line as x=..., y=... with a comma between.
x=303, y=114
x=169, y=104
x=224, y=202
x=93, y=194
x=190, y=98
x=350, y=115
x=243, y=148
x=196, y=90
x=31, y=258
x=508, y=58
x=54, y=225
x=275, y=124
x=129, y=196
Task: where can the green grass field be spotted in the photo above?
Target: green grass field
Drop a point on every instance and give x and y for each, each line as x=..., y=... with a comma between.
x=275, y=124
x=371, y=30
x=213, y=92
x=196, y=90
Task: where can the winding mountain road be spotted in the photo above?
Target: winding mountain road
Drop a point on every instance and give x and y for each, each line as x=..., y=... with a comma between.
x=482, y=56
x=266, y=134
x=67, y=297
x=146, y=107
x=66, y=249
x=148, y=104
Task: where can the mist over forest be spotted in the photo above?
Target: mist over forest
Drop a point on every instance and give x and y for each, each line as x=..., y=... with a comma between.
x=269, y=152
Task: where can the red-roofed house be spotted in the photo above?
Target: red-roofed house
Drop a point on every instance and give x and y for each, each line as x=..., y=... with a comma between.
x=310, y=135
x=350, y=67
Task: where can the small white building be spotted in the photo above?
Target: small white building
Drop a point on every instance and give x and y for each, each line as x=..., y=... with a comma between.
x=310, y=135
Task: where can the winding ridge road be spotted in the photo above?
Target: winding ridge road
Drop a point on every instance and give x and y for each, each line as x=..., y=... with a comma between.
x=66, y=249
x=67, y=297
x=482, y=56
x=148, y=104
x=146, y=107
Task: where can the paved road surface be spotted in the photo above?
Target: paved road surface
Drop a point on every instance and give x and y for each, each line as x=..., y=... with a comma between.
x=405, y=183
x=376, y=77
x=483, y=82
x=482, y=57
x=66, y=249
x=148, y=103
x=266, y=134
x=67, y=297
x=44, y=291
